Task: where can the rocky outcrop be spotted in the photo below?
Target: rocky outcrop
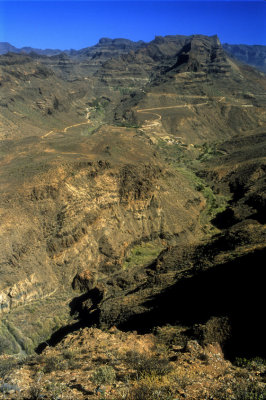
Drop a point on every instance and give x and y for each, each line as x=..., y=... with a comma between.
x=21, y=293
x=199, y=54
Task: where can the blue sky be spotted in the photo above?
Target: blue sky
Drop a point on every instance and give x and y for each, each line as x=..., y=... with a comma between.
x=78, y=24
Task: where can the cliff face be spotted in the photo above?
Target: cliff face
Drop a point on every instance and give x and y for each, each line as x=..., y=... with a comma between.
x=249, y=54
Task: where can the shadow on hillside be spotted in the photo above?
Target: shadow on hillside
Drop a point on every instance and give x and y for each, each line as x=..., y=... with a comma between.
x=75, y=307
x=235, y=289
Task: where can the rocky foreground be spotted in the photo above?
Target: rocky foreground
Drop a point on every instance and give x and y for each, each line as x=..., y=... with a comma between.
x=111, y=364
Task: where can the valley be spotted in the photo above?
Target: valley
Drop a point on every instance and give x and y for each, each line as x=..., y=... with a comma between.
x=132, y=203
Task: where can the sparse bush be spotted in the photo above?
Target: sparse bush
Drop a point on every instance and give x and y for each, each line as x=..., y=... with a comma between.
x=256, y=363
x=6, y=366
x=54, y=363
x=248, y=391
x=147, y=365
x=35, y=392
x=68, y=354
x=55, y=390
x=216, y=330
x=103, y=375
x=149, y=391
x=36, y=389
x=171, y=335
x=240, y=390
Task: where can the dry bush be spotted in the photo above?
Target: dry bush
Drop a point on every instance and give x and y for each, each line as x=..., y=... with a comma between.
x=240, y=390
x=216, y=330
x=103, y=375
x=171, y=335
x=7, y=365
x=54, y=363
x=147, y=390
x=144, y=364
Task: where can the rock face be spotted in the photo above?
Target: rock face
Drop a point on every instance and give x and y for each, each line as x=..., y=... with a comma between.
x=254, y=55
x=128, y=172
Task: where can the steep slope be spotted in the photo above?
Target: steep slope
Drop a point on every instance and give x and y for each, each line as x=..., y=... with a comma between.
x=203, y=85
x=119, y=166
x=124, y=365
x=34, y=98
x=254, y=55
x=81, y=203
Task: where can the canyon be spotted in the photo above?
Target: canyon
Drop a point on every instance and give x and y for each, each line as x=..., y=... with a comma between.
x=132, y=195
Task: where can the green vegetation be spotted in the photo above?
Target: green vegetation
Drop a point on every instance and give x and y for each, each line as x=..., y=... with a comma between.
x=174, y=154
x=103, y=375
x=214, y=203
x=143, y=253
x=8, y=344
x=242, y=390
x=124, y=90
x=127, y=125
x=208, y=151
x=186, y=161
x=97, y=114
x=256, y=363
x=39, y=320
x=6, y=366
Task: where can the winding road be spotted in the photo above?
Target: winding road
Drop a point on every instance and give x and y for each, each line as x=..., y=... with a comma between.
x=68, y=127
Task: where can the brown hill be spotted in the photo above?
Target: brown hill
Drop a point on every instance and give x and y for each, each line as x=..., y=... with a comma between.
x=129, y=180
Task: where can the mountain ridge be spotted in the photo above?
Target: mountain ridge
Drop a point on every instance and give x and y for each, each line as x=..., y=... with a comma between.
x=250, y=54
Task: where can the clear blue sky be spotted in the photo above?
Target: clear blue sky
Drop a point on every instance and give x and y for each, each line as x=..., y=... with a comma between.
x=78, y=24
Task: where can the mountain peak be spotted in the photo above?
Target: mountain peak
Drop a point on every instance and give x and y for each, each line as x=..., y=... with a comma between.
x=202, y=53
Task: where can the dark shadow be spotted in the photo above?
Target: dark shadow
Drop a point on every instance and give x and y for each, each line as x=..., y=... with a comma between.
x=58, y=336
x=81, y=389
x=235, y=289
x=225, y=219
x=86, y=317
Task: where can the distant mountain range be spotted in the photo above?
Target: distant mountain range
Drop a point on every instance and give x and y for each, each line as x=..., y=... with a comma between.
x=254, y=55
x=6, y=47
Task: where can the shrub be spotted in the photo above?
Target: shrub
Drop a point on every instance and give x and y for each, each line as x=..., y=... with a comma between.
x=256, y=363
x=171, y=335
x=6, y=366
x=250, y=391
x=68, y=354
x=103, y=375
x=53, y=363
x=241, y=390
x=35, y=392
x=147, y=365
x=146, y=391
x=55, y=390
x=216, y=330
